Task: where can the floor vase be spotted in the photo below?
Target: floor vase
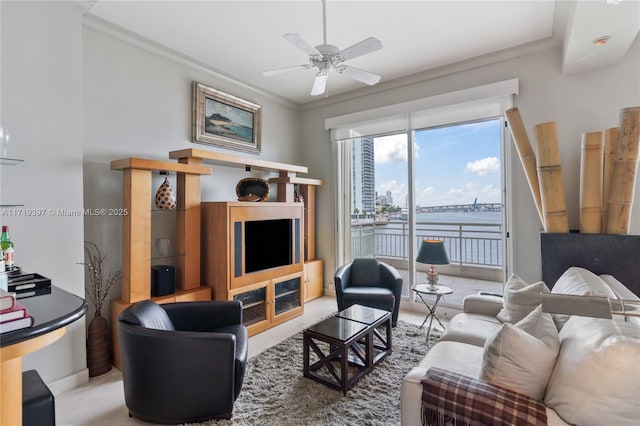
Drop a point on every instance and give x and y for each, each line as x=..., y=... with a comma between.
x=98, y=346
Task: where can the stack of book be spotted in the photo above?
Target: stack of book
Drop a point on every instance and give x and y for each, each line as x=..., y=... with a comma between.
x=13, y=316
x=28, y=284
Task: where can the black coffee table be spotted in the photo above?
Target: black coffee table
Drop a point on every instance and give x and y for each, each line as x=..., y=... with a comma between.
x=348, y=346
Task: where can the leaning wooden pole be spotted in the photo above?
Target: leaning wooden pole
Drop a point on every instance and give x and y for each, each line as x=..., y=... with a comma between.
x=554, y=205
x=591, y=183
x=526, y=154
x=610, y=142
x=625, y=168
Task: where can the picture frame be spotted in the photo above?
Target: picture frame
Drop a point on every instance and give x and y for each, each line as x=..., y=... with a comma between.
x=224, y=120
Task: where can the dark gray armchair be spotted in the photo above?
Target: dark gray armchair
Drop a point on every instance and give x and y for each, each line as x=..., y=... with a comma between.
x=368, y=282
x=182, y=362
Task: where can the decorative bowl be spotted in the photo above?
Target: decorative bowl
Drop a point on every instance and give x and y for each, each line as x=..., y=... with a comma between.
x=252, y=189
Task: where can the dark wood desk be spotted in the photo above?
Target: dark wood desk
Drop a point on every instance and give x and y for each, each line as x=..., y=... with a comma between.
x=52, y=313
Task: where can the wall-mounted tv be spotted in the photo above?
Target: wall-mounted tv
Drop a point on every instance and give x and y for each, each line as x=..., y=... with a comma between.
x=269, y=243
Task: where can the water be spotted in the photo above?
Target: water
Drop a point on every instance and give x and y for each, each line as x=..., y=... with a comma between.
x=469, y=237
x=461, y=217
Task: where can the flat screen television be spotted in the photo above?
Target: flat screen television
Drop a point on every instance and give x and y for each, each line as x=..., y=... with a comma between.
x=267, y=244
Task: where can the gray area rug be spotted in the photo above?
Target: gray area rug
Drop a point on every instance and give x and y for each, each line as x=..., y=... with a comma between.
x=276, y=393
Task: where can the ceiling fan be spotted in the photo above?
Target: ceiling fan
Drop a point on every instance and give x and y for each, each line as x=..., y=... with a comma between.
x=327, y=57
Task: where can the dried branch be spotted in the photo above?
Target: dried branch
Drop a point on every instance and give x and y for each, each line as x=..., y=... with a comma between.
x=100, y=287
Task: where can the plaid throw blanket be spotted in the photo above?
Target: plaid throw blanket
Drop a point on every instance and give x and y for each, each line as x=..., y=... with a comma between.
x=453, y=399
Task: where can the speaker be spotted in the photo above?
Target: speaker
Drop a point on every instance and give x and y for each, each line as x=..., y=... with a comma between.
x=163, y=280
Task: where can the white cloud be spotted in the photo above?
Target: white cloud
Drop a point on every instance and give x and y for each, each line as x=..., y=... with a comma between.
x=491, y=194
x=484, y=167
x=470, y=186
x=425, y=196
x=391, y=149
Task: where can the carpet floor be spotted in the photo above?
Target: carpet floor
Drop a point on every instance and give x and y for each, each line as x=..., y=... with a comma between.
x=276, y=393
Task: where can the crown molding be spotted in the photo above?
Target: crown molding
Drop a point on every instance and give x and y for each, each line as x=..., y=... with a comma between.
x=104, y=27
x=549, y=43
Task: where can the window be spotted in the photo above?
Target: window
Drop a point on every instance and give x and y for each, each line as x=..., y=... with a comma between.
x=453, y=155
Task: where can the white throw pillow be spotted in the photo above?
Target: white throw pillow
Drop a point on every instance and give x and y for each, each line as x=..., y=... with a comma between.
x=540, y=325
x=596, y=379
x=520, y=299
x=522, y=358
x=580, y=282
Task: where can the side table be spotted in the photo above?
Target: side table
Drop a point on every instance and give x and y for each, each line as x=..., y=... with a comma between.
x=423, y=290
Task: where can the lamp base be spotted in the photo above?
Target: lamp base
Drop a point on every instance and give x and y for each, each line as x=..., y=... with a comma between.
x=432, y=278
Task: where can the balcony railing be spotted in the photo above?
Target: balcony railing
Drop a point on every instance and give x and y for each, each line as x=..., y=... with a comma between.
x=466, y=243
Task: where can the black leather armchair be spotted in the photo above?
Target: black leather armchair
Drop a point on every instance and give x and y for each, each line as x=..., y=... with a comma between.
x=182, y=362
x=368, y=282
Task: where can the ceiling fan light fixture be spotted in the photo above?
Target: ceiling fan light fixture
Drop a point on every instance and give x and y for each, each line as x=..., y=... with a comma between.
x=601, y=41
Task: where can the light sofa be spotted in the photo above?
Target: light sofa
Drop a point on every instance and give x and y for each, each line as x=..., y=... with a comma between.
x=585, y=370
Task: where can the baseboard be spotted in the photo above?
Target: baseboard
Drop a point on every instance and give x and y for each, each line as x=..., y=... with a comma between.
x=70, y=382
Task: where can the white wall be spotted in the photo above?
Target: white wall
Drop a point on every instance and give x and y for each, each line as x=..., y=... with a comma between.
x=578, y=103
x=137, y=103
x=42, y=108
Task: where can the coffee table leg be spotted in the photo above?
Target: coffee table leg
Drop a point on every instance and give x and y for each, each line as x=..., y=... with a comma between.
x=305, y=355
x=344, y=374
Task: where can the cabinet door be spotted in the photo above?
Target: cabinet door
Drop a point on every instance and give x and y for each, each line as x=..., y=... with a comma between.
x=255, y=306
x=287, y=297
x=313, y=280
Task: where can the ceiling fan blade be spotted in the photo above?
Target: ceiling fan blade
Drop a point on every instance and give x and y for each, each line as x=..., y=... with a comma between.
x=301, y=44
x=360, y=75
x=368, y=45
x=278, y=71
x=319, y=84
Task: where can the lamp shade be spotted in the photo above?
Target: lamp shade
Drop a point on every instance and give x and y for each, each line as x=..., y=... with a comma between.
x=432, y=252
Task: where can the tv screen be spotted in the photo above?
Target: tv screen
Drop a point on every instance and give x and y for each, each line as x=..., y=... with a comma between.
x=267, y=244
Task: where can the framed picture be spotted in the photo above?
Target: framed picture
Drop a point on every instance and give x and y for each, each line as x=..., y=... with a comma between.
x=225, y=120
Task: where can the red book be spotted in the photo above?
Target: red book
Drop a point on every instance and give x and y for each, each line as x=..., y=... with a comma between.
x=18, y=311
x=7, y=300
x=16, y=324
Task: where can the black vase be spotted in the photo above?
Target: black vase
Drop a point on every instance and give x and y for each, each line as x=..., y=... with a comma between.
x=98, y=346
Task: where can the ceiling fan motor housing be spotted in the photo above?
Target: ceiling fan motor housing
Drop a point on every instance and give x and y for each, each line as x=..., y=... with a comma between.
x=328, y=53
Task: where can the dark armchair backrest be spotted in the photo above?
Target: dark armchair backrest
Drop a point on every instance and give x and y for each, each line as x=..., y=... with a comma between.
x=365, y=272
x=147, y=314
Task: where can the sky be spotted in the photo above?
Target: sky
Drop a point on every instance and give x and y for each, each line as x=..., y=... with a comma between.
x=454, y=165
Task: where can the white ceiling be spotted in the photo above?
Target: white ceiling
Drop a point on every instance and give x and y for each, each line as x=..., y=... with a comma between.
x=241, y=39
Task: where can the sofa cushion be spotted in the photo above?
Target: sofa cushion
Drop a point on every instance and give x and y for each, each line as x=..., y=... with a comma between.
x=620, y=290
x=520, y=299
x=596, y=380
x=580, y=282
x=521, y=357
x=473, y=329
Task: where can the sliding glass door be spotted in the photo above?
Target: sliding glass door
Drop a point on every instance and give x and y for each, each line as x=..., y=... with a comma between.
x=446, y=185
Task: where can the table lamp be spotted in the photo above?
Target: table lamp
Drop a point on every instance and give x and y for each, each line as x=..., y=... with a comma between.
x=432, y=253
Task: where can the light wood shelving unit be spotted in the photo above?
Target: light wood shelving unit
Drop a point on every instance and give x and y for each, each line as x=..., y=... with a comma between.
x=189, y=165
x=136, y=236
